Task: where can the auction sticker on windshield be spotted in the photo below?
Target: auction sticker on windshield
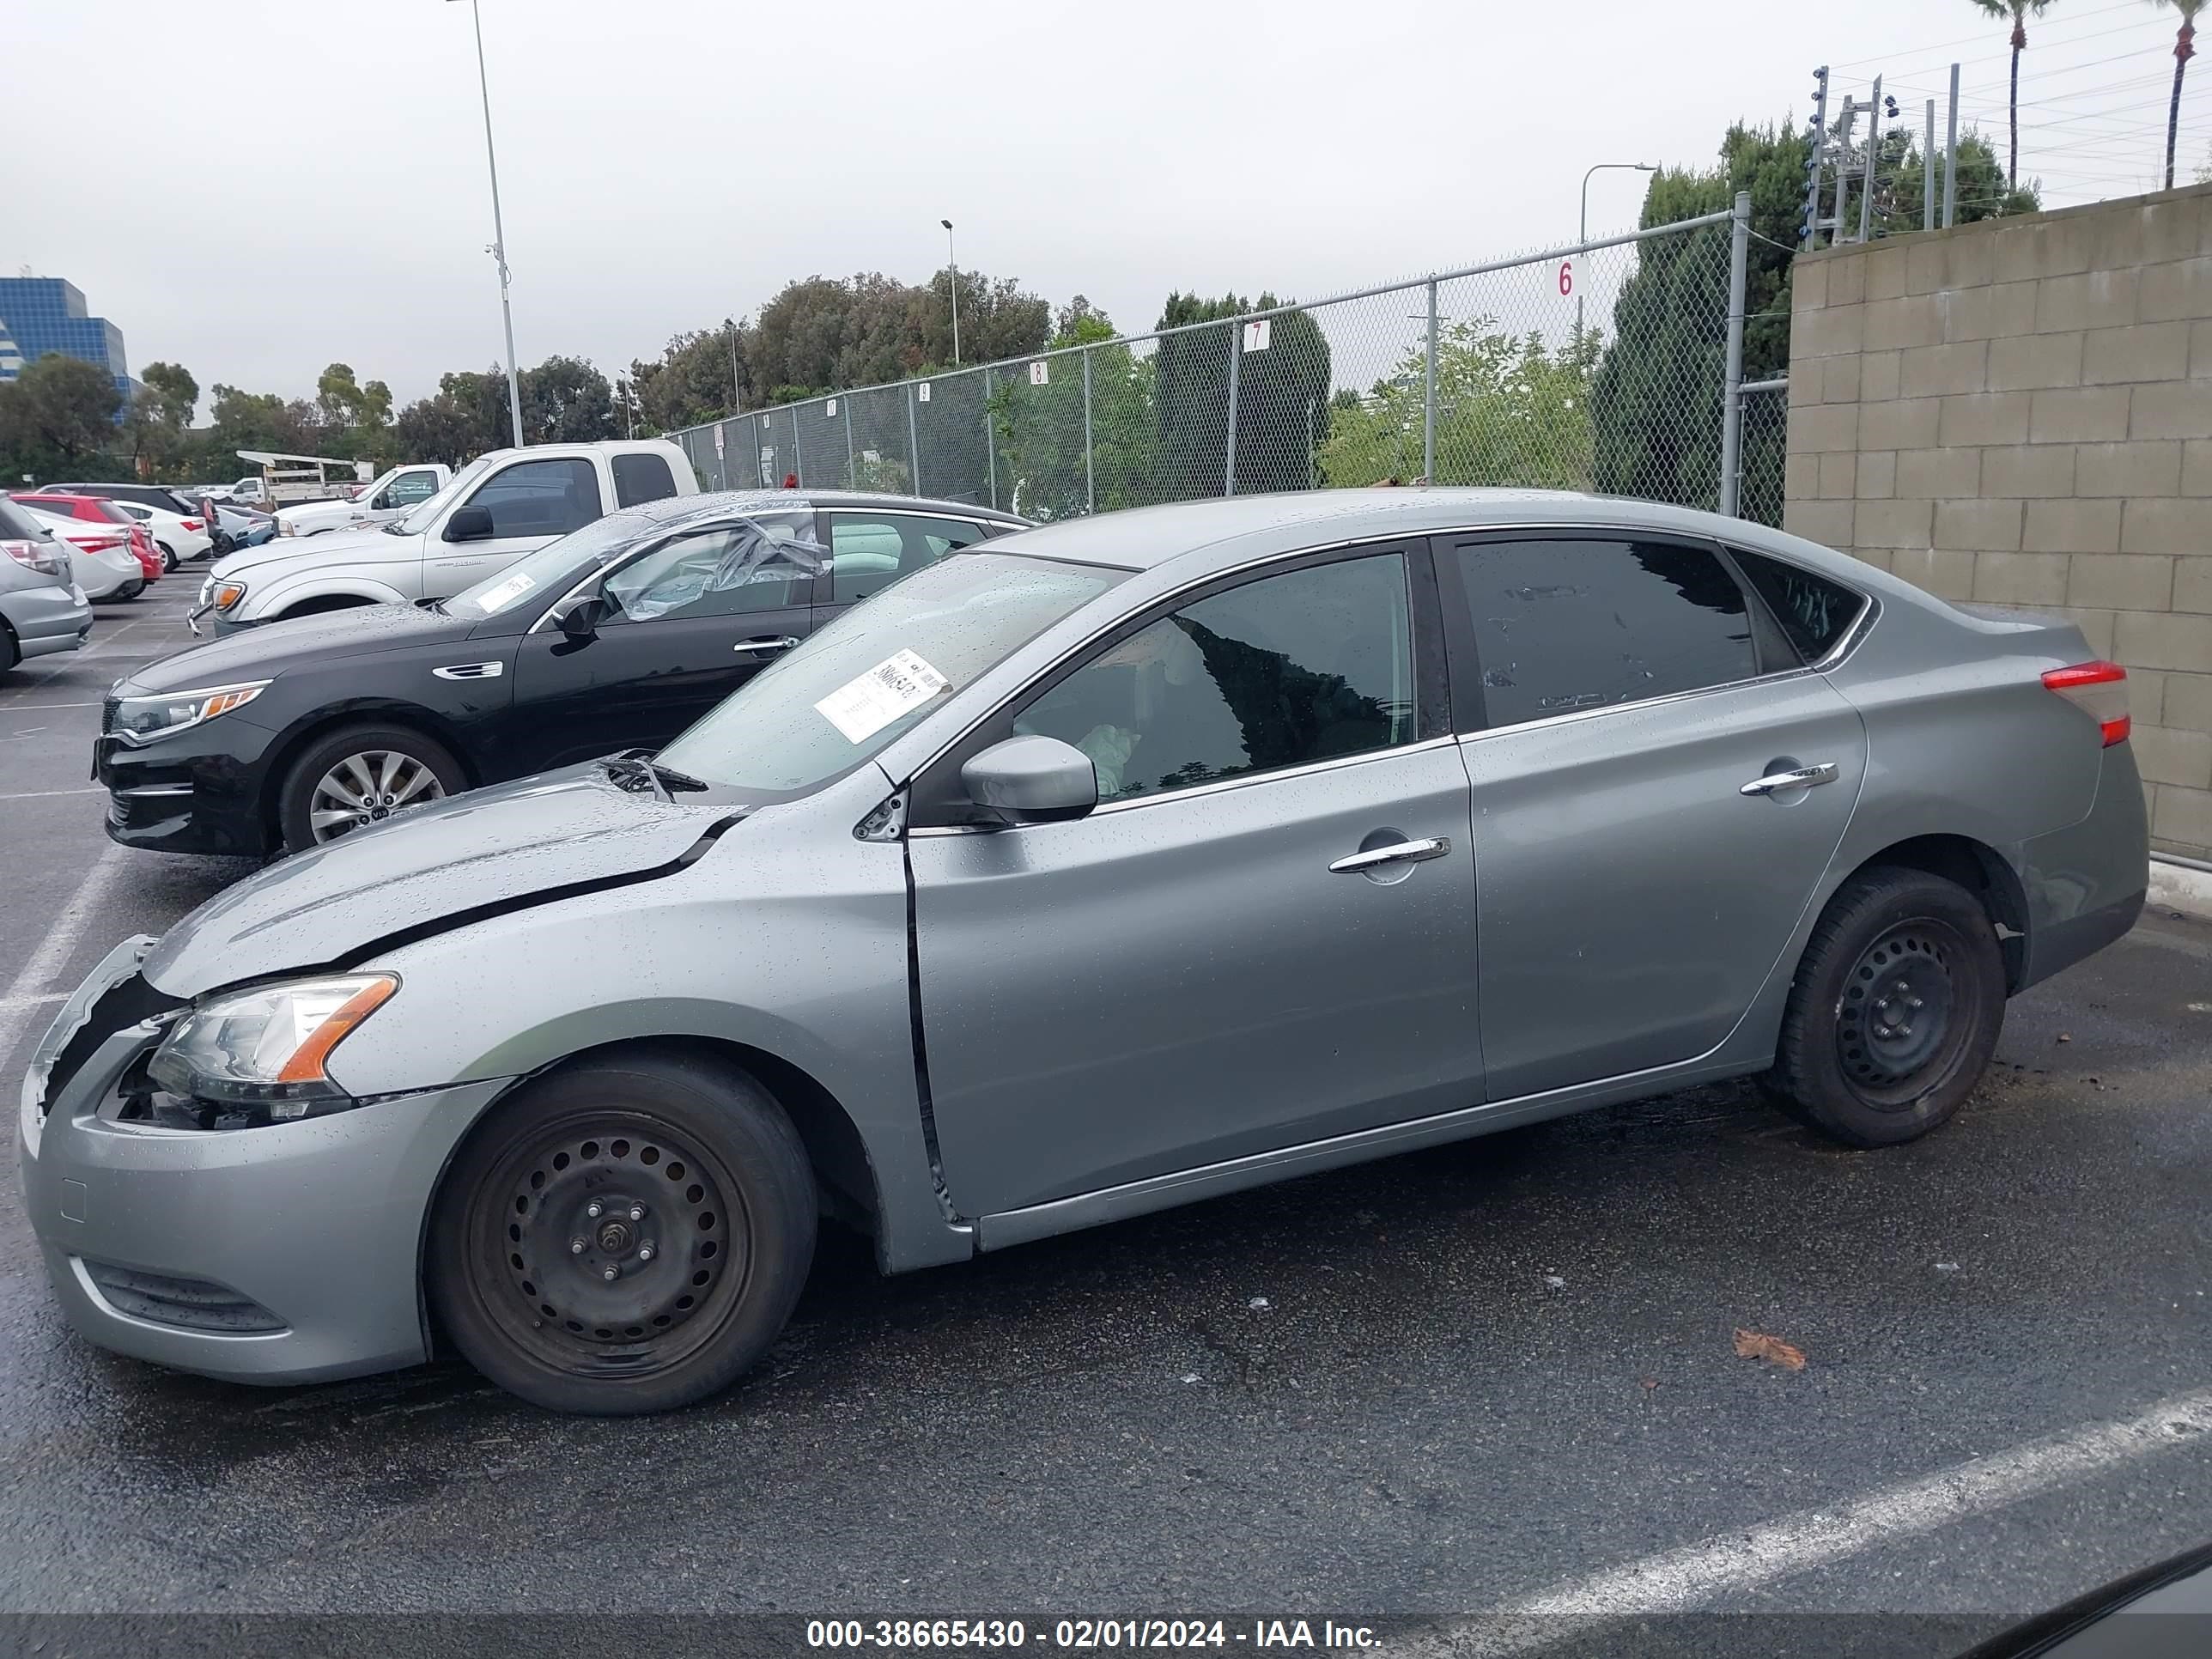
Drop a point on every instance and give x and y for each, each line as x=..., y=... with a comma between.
x=861, y=707
x=499, y=595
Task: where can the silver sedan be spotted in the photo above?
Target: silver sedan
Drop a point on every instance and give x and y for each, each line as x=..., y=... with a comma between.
x=1106, y=866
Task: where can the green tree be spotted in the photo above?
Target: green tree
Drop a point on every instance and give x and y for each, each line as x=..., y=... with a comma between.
x=179, y=391
x=566, y=400
x=442, y=427
x=1282, y=394
x=1509, y=410
x=2184, y=48
x=58, y=411
x=2020, y=11
x=1041, y=435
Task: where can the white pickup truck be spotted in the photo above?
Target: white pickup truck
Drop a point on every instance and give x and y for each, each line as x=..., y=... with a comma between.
x=390, y=497
x=501, y=505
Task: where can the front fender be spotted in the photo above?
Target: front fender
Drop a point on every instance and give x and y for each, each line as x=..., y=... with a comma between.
x=273, y=597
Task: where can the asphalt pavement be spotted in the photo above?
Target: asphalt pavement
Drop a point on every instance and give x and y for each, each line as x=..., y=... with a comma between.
x=1497, y=1376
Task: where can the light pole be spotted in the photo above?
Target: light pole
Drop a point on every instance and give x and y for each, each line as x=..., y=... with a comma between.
x=955, y=264
x=498, y=248
x=1584, y=235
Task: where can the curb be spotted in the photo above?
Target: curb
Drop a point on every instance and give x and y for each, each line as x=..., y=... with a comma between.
x=2179, y=887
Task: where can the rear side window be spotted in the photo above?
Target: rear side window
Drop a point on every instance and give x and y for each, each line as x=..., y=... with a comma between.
x=641, y=479
x=1815, y=613
x=17, y=525
x=869, y=551
x=1563, y=625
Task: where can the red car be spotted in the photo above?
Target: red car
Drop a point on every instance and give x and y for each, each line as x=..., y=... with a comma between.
x=94, y=510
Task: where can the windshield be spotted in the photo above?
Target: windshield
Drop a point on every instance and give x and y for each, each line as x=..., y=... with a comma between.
x=879, y=669
x=419, y=521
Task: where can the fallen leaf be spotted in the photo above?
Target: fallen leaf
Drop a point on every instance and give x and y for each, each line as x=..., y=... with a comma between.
x=2066, y=1036
x=1752, y=1345
x=1650, y=1382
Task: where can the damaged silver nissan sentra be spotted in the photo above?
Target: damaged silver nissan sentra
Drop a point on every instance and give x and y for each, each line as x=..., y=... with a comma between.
x=1102, y=867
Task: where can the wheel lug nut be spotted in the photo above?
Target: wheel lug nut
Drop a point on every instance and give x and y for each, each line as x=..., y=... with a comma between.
x=595, y=1209
x=1912, y=1002
x=636, y=1213
x=575, y=1246
x=612, y=1274
x=645, y=1253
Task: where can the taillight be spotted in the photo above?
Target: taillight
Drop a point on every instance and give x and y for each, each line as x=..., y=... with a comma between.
x=193, y=524
x=102, y=544
x=34, y=556
x=2100, y=690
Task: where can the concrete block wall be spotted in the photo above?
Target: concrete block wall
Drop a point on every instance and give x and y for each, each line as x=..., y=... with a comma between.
x=2019, y=412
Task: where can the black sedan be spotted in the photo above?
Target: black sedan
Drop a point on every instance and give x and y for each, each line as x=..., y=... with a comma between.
x=616, y=637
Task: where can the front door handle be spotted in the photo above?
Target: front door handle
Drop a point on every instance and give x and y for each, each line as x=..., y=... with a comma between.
x=1803, y=777
x=766, y=645
x=1404, y=852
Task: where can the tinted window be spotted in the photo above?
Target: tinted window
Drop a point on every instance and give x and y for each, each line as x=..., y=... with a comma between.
x=641, y=479
x=870, y=551
x=1813, y=611
x=17, y=525
x=409, y=488
x=1281, y=671
x=1563, y=625
x=723, y=572
x=540, y=498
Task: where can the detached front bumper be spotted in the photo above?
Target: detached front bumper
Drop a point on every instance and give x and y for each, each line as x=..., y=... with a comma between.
x=287, y=1253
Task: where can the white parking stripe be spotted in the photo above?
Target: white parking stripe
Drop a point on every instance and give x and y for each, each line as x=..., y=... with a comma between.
x=41, y=794
x=19, y=1000
x=1699, y=1574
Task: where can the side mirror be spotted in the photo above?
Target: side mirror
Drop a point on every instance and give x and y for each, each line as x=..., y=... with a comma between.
x=383, y=501
x=469, y=523
x=1032, y=779
x=582, y=617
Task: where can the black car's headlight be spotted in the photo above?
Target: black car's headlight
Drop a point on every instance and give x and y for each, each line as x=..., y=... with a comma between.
x=143, y=719
x=266, y=1046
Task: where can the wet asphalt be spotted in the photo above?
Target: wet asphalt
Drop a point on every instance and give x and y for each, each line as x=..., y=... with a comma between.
x=1422, y=1388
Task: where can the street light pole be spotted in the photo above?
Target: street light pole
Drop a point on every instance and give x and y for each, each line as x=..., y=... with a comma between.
x=498, y=248
x=1625, y=167
x=955, y=264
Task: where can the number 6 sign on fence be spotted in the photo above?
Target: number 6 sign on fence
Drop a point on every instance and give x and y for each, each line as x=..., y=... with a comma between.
x=1566, y=278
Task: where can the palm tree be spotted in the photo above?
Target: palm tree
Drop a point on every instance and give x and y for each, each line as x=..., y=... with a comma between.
x=2020, y=11
x=2184, y=48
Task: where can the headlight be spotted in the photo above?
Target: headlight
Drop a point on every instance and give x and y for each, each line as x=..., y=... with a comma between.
x=227, y=594
x=285, y=527
x=141, y=719
x=266, y=1046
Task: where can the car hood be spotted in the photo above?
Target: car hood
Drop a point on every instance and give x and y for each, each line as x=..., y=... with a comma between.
x=439, y=866
x=257, y=653
x=369, y=545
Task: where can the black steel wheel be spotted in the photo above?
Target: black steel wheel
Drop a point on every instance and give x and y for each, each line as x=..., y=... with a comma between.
x=1895, y=1010
x=625, y=1235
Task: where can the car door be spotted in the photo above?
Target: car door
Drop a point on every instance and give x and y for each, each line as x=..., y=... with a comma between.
x=689, y=621
x=869, y=551
x=530, y=503
x=1205, y=967
x=1622, y=698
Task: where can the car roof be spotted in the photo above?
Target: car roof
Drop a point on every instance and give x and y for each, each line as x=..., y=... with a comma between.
x=1200, y=536
x=671, y=508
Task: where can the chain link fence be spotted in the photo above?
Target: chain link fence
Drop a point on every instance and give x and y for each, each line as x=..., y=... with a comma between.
x=1599, y=366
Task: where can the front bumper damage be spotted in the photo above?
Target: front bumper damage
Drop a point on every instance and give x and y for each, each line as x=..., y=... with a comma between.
x=288, y=1252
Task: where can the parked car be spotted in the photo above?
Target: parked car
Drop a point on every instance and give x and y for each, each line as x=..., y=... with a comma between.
x=505, y=504
x=179, y=538
x=41, y=608
x=1095, y=869
x=178, y=501
x=97, y=510
x=619, y=635
x=233, y=527
x=102, y=562
x=391, y=497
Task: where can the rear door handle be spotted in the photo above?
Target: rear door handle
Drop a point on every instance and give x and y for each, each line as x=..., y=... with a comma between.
x=1404, y=852
x=767, y=645
x=1803, y=778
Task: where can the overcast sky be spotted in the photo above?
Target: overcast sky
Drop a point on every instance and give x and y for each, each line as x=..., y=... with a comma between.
x=666, y=163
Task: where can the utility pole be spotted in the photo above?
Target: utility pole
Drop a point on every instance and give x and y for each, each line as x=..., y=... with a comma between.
x=736, y=392
x=955, y=264
x=498, y=248
x=1814, y=151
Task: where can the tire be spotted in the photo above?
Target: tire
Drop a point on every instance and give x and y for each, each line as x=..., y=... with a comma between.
x=129, y=590
x=1895, y=1010
x=10, y=655
x=168, y=556
x=707, y=1156
x=392, y=761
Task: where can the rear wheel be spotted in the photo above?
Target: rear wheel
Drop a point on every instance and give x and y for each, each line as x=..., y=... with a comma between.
x=129, y=590
x=168, y=556
x=359, y=775
x=1895, y=1011
x=627, y=1236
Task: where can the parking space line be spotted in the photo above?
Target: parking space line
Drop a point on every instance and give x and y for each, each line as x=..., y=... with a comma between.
x=42, y=794
x=53, y=952
x=1697, y=1575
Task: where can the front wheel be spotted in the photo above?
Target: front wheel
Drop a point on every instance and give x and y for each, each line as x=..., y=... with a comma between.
x=624, y=1236
x=359, y=775
x=1895, y=1010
